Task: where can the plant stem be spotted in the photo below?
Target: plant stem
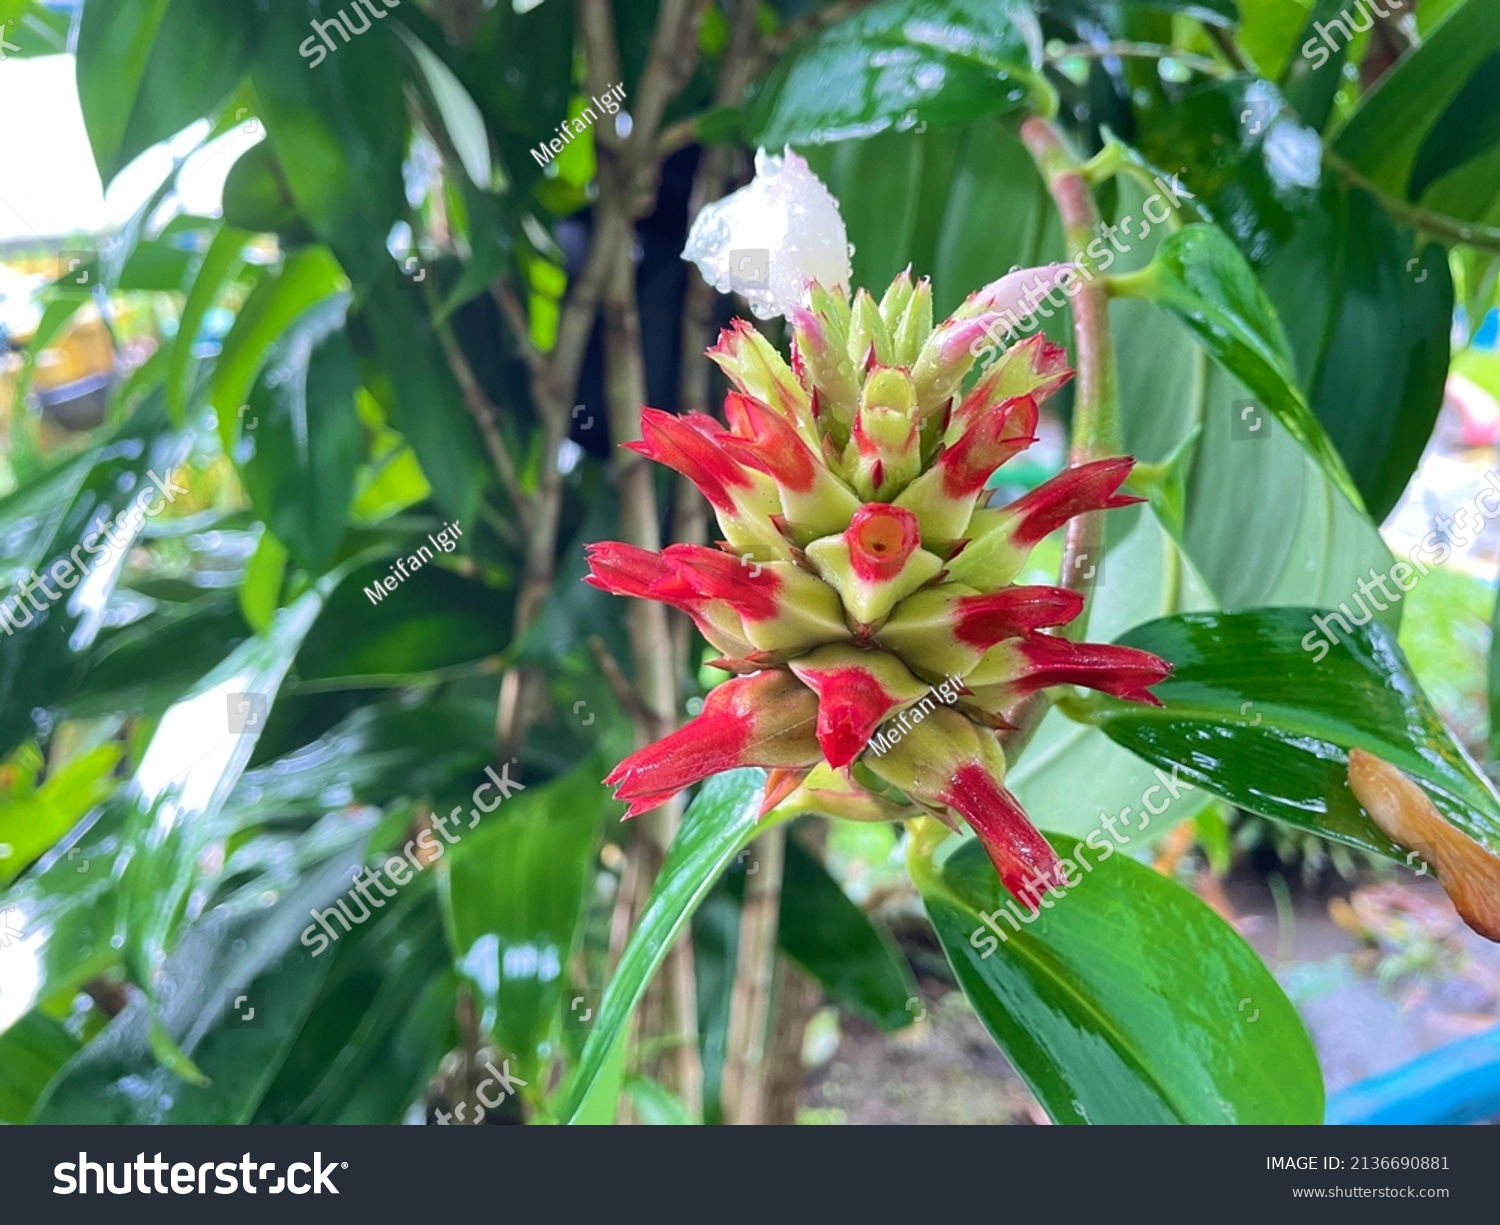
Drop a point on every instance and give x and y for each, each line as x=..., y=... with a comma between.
x=1096, y=404
x=486, y=418
x=629, y=170
x=1439, y=225
x=1149, y=51
x=755, y=966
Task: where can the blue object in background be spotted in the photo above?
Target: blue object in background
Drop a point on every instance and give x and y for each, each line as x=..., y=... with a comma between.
x=1457, y=1083
x=1487, y=336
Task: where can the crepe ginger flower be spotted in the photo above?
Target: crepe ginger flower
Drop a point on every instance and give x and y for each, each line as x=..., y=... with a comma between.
x=860, y=567
x=768, y=240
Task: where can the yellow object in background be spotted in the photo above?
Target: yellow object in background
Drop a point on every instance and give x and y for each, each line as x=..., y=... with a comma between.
x=72, y=376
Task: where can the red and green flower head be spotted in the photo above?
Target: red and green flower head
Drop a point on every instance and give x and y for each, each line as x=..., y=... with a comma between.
x=863, y=594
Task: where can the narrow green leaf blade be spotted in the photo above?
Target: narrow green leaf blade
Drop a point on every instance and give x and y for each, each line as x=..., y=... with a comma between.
x=307, y=436
x=143, y=74
x=716, y=827
x=220, y=262
x=308, y=277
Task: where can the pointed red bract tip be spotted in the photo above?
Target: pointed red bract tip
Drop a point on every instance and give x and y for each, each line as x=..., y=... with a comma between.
x=686, y=448
x=688, y=755
x=699, y=573
x=1048, y=362
x=1025, y=860
x=1049, y=370
x=779, y=785
x=736, y=414
x=989, y=440
x=851, y=705
x=983, y=620
x=880, y=539
x=760, y=720
x=1122, y=672
x=766, y=441
x=1072, y=492
x=728, y=339
x=623, y=569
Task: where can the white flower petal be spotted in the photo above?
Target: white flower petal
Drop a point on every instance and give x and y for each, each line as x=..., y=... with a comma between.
x=770, y=238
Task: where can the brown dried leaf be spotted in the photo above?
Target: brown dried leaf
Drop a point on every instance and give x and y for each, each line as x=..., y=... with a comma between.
x=1468, y=872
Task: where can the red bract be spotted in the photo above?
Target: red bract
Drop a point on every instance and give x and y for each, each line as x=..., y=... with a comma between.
x=864, y=591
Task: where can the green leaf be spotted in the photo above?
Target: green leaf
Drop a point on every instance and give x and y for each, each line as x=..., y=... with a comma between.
x=519, y=70
x=1335, y=268
x=1262, y=523
x=147, y=665
x=64, y=910
x=31, y=1053
x=220, y=263
x=716, y=941
x=44, y=524
x=1468, y=128
x=307, y=436
x=162, y=264
x=1346, y=274
x=839, y=945
x=426, y=404
x=257, y=199
x=260, y=595
x=233, y=997
x=1252, y=164
x=308, y=277
x=1126, y=999
x=378, y=755
x=435, y=619
x=33, y=821
x=993, y=177
x=461, y=118
x=896, y=64
x=876, y=181
x=194, y=760
x=716, y=827
x=1311, y=87
x=513, y=893
x=1200, y=277
x=656, y=1106
x=339, y=132
x=602, y=1103
x=34, y=30
x=1387, y=134
x=380, y=1025
x=143, y=75
x=1261, y=710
